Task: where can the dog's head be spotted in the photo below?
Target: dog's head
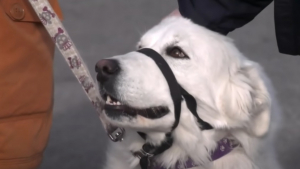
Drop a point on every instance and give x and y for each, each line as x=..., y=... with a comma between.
x=228, y=88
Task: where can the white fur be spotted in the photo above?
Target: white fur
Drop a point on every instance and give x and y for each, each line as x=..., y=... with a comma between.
x=232, y=93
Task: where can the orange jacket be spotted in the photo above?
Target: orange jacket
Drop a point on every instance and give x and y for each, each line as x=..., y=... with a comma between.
x=26, y=85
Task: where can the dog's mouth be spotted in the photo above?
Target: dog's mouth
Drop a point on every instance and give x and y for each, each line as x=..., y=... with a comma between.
x=115, y=108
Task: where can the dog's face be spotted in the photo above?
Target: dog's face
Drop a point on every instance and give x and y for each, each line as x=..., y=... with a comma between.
x=227, y=87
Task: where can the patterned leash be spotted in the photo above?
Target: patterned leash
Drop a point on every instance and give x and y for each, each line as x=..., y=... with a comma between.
x=69, y=51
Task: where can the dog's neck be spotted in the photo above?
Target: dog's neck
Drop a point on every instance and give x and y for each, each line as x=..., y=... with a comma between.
x=194, y=144
x=189, y=141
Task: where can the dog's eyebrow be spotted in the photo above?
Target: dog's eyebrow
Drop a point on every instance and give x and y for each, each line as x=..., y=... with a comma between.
x=171, y=44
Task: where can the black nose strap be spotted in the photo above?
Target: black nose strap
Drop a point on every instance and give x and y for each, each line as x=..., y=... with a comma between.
x=177, y=92
x=171, y=80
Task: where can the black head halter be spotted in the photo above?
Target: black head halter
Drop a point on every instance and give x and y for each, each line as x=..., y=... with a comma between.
x=177, y=92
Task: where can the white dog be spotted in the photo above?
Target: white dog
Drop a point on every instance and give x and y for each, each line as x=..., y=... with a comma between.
x=232, y=94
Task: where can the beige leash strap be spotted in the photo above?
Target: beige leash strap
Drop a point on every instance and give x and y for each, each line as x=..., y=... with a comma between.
x=69, y=51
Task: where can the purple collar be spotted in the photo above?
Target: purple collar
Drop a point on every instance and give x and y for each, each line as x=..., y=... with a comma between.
x=224, y=147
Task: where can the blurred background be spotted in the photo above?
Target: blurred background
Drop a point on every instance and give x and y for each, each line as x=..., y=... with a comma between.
x=103, y=28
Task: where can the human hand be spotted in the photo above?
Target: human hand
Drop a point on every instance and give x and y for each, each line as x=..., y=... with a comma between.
x=173, y=13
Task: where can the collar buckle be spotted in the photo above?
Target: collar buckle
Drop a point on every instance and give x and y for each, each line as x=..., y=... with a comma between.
x=146, y=151
x=140, y=154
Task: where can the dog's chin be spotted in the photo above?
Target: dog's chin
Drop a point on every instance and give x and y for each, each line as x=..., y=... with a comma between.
x=115, y=109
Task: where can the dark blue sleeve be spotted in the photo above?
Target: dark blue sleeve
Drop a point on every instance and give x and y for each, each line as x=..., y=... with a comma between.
x=222, y=16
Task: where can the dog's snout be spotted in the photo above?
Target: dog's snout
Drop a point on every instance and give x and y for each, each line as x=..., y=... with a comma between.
x=106, y=68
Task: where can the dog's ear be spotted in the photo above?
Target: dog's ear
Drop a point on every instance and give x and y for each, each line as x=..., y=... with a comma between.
x=246, y=101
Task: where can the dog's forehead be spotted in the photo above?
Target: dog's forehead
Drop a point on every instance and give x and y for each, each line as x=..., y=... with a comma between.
x=165, y=31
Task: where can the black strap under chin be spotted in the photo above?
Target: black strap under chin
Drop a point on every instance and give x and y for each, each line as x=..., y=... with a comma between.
x=150, y=151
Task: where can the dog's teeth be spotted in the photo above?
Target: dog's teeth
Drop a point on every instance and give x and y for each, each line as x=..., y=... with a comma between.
x=109, y=102
x=108, y=98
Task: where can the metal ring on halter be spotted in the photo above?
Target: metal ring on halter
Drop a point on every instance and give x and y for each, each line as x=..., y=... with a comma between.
x=117, y=134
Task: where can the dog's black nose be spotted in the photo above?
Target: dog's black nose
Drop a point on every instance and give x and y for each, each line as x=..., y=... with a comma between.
x=106, y=68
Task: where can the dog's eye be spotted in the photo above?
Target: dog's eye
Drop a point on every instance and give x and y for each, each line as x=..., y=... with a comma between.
x=176, y=52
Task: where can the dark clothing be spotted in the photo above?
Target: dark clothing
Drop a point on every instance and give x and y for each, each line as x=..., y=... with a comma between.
x=224, y=16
